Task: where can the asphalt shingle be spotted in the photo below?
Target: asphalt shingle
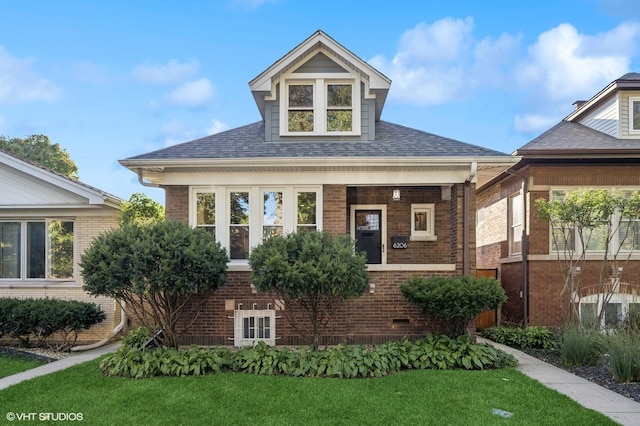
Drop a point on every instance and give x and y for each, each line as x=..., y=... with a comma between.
x=392, y=140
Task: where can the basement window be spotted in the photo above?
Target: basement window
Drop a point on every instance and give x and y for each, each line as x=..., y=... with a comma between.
x=253, y=325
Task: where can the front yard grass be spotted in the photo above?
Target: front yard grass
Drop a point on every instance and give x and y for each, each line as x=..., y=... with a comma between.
x=410, y=397
x=11, y=365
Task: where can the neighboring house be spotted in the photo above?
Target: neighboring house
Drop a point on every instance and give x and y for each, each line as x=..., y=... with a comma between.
x=596, y=146
x=322, y=159
x=37, y=206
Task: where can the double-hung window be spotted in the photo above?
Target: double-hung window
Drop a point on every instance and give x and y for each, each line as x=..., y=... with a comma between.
x=36, y=249
x=242, y=217
x=515, y=224
x=634, y=115
x=624, y=234
x=321, y=106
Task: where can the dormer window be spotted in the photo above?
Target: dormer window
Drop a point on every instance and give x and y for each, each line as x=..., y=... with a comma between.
x=634, y=115
x=322, y=106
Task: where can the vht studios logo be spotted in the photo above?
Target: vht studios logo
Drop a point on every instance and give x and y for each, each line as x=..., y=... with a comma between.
x=43, y=417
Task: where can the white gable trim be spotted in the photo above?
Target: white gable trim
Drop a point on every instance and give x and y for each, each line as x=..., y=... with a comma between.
x=376, y=79
x=93, y=196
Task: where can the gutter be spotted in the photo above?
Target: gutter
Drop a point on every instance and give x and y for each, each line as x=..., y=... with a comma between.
x=466, y=218
x=114, y=332
x=143, y=183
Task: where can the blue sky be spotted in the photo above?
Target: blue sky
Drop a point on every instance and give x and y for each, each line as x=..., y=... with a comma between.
x=109, y=80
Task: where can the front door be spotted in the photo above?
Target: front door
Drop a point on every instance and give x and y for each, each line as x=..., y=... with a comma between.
x=368, y=234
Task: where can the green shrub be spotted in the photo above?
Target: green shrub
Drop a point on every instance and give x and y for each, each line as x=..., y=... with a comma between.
x=455, y=301
x=432, y=352
x=580, y=346
x=315, y=271
x=44, y=319
x=624, y=356
x=137, y=338
x=163, y=271
x=521, y=337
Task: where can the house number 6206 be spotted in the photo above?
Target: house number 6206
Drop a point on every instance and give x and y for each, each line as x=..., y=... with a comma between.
x=399, y=245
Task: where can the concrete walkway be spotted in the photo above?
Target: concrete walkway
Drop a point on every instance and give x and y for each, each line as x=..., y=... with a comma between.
x=619, y=408
x=61, y=364
x=615, y=406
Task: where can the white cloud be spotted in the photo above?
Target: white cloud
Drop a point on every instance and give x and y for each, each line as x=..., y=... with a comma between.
x=564, y=66
x=531, y=123
x=170, y=73
x=175, y=131
x=441, y=62
x=192, y=93
x=20, y=83
x=216, y=126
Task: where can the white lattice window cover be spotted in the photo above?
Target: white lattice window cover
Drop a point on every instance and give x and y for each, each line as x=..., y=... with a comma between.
x=254, y=325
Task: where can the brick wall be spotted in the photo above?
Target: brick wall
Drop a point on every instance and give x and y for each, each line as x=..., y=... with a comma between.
x=86, y=228
x=371, y=318
x=548, y=305
x=177, y=203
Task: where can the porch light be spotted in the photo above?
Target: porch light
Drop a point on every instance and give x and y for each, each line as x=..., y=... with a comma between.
x=396, y=195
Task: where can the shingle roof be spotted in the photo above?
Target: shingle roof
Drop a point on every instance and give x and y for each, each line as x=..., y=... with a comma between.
x=392, y=140
x=576, y=138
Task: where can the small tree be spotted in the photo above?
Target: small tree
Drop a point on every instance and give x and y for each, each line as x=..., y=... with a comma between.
x=586, y=218
x=162, y=271
x=140, y=209
x=313, y=270
x=453, y=301
x=38, y=148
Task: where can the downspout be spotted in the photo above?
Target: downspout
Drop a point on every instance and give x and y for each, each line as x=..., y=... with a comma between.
x=114, y=332
x=465, y=218
x=143, y=183
x=525, y=247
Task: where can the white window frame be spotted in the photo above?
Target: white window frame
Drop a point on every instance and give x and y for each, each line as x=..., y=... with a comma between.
x=256, y=212
x=320, y=82
x=632, y=100
x=419, y=235
x=615, y=240
x=623, y=299
x=47, y=254
x=239, y=315
x=515, y=226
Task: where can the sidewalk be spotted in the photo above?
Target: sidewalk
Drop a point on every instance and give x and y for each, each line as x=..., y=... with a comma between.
x=58, y=365
x=590, y=395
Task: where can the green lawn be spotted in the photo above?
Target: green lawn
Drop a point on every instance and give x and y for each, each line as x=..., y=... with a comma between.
x=411, y=398
x=10, y=365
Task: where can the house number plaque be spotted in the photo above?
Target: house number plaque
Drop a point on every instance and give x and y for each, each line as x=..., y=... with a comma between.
x=399, y=242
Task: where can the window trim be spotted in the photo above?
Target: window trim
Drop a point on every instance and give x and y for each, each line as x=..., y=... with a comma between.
x=615, y=240
x=320, y=82
x=623, y=299
x=430, y=233
x=256, y=213
x=239, y=315
x=23, y=278
x=514, y=198
x=632, y=100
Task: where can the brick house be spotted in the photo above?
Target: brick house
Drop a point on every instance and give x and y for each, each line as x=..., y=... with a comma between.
x=33, y=202
x=321, y=158
x=596, y=146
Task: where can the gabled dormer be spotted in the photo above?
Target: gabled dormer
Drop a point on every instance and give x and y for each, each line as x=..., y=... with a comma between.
x=615, y=110
x=320, y=90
